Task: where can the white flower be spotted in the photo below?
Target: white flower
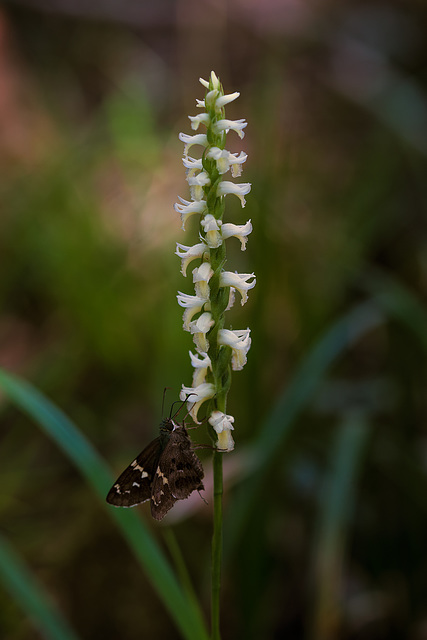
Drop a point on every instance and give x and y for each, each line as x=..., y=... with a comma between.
x=192, y=305
x=196, y=397
x=221, y=157
x=199, y=329
x=201, y=366
x=187, y=254
x=201, y=277
x=187, y=208
x=224, y=160
x=197, y=182
x=202, y=273
x=211, y=227
x=240, y=231
x=240, y=190
x=236, y=163
x=223, y=100
x=214, y=79
x=239, y=281
x=234, y=125
x=220, y=102
x=223, y=425
x=211, y=98
x=196, y=121
x=189, y=141
x=192, y=163
x=240, y=343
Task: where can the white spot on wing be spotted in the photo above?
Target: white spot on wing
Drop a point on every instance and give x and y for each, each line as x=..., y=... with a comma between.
x=162, y=476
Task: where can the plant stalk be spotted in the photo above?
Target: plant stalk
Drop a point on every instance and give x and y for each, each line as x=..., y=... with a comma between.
x=216, y=545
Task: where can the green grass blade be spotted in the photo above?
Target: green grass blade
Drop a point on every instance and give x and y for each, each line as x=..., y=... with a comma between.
x=275, y=429
x=55, y=423
x=179, y=562
x=20, y=583
x=398, y=302
x=337, y=502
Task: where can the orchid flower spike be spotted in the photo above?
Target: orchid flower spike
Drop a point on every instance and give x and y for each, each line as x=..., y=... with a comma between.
x=218, y=349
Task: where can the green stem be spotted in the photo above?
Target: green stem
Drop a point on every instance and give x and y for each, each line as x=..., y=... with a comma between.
x=217, y=545
x=220, y=357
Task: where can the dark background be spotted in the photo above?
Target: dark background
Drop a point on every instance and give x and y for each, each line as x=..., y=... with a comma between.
x=92, y=98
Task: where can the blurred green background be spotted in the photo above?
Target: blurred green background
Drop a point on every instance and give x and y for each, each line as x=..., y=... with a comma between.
x=326, y=492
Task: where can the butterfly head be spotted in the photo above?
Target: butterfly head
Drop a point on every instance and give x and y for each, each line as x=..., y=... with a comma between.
x=167, y=426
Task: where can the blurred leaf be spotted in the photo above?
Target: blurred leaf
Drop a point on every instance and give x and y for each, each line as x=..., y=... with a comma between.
x=30, y=596
x=187, y=617
x=337, y=501
x=276, y=428
x=398, y=301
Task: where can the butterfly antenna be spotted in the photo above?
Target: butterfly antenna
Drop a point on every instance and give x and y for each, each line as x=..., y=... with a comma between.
x=164, y=395
x=172, y=406
x=182, y=404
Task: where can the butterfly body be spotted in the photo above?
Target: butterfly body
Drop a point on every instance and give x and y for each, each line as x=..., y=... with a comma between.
x=167, y=470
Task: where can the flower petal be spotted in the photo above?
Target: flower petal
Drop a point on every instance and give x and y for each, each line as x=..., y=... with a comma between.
x=234, y=125
x=187, y=254
x=201, y=366
x=223, y=425
x=240, y=343
x=240, y=281
x=223, y=100
x=187, y=209
x=196, y=121
x=199, y=328
x=240, y=190
x=240, y=231
x=211, y=227
x=189, y=141
x=196, y=397
x=192, y=305
x=201, y=277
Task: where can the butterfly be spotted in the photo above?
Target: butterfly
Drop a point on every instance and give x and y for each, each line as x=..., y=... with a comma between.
x=167, y=470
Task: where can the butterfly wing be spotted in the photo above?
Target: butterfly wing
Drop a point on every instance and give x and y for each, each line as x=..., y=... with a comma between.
x=134, y=485
x=161, y=497
x=178, y=473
